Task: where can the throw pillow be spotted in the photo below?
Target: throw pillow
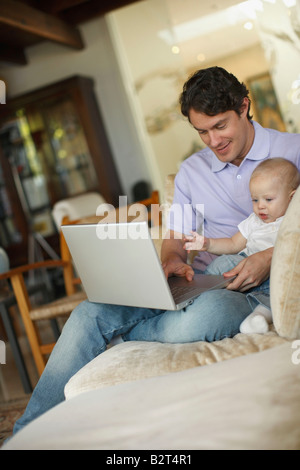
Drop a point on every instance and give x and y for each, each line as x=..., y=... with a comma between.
x=285, y=273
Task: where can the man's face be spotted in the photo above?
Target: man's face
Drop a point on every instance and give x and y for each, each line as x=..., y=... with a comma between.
x=228, y=135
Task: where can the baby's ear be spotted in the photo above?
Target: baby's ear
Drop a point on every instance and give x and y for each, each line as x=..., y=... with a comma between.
x=292, y=194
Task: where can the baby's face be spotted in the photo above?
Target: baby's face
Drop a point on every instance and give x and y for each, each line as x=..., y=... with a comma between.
x=270, y=197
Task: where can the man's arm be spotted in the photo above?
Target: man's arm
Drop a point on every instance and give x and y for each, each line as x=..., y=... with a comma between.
x=252, y=271
x=174, y=256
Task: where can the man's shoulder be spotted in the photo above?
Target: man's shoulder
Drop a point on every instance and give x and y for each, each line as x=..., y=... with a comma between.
x=283, y=135
x=286, y=145
x=195, y=170
x=204, y=156
x=277, y=143
x=203, y=153
x=279, y=135
x=259, y=128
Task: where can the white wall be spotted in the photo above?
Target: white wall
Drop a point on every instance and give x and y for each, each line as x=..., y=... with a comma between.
x=155, y=76
x=279, y=25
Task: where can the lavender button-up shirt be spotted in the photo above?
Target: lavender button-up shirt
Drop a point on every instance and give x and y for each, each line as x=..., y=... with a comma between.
x=213, y=197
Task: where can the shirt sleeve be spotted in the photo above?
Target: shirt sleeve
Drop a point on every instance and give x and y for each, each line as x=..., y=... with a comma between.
x=244, y=226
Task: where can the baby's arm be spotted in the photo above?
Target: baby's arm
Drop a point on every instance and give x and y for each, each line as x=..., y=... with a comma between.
x=217, y=246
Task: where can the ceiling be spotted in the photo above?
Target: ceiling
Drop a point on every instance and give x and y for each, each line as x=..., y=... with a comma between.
x=206, y=31
x=24, y=23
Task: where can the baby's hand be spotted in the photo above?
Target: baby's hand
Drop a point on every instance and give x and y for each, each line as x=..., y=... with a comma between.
x=194, y=242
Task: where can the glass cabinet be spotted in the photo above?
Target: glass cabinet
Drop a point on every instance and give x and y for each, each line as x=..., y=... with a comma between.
x=53, y=146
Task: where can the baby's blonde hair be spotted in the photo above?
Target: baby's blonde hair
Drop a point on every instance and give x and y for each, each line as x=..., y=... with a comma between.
x=280, y=167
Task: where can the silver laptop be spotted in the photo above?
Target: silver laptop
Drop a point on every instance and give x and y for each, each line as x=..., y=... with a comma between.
x=118, y=264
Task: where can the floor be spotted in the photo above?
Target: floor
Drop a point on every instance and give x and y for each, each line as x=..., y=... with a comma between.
x=13, y=398
x=11, y=387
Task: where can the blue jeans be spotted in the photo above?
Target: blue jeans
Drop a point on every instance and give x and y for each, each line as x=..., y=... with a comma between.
x=257, y=295
x=212, y=316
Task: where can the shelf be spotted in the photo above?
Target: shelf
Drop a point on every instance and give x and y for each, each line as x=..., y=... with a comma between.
x=53, y=145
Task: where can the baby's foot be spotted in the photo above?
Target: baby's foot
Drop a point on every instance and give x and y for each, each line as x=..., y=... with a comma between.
x=254, y=324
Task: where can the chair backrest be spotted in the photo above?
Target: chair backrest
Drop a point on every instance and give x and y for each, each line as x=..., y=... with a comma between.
x=77, y=207
x=147, y=209
x=168, y=199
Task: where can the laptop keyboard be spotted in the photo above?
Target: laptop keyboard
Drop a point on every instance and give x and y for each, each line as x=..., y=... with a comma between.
x=181, y=292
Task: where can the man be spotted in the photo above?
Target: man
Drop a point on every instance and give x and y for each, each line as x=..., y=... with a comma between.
x=217, y=105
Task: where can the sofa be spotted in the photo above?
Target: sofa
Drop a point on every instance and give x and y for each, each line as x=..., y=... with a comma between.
x=240, y=393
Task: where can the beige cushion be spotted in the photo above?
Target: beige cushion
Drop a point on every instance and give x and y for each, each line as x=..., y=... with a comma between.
x=285, y=273
x=136, y=360
x=246, y=403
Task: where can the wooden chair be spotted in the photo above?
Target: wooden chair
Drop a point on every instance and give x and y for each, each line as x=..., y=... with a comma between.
x=31, y=314
x=74, y=294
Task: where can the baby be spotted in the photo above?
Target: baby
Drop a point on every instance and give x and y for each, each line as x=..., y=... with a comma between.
x=272, y=186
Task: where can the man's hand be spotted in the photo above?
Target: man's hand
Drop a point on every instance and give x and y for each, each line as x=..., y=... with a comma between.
x=173, y=257
x=178, y=268
x=251, y=271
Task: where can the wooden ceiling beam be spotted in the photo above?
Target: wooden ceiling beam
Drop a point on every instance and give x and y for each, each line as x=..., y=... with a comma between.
x=56, y=6
x=91, y=9
x=25, y=18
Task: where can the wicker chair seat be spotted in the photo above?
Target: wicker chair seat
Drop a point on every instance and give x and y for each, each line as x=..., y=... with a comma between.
x=62, y=306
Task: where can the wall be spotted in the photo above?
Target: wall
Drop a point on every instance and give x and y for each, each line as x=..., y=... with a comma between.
x=154, y=75
x=138, y=80
x=279, y=25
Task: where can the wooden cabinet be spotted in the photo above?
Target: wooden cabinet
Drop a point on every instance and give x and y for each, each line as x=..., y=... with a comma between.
x=53, y=145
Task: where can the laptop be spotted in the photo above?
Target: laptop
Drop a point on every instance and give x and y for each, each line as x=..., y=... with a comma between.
x=118, y=264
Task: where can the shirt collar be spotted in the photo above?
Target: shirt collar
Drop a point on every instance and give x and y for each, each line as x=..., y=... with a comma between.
x=259, y=151
x=216, y=164
x=261, y=145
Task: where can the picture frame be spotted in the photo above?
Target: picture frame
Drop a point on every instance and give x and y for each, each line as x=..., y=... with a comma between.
x=264, y=103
